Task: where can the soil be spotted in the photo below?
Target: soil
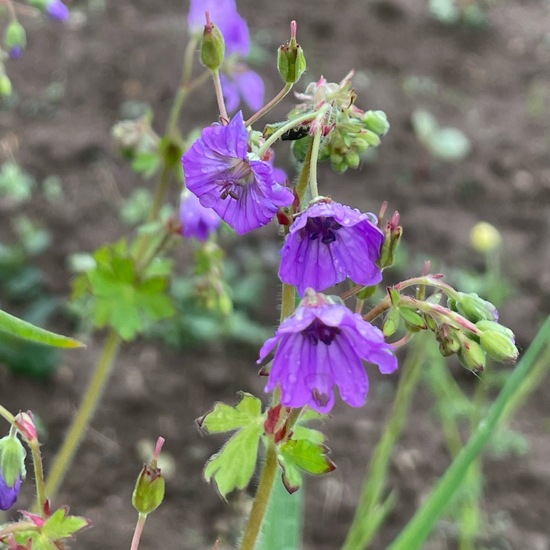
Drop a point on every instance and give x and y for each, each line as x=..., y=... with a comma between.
x=490, y=82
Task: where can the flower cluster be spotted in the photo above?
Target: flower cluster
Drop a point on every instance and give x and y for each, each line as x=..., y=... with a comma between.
x=238, y=81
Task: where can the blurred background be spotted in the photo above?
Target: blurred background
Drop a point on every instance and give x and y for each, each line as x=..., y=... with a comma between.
x=466, y=88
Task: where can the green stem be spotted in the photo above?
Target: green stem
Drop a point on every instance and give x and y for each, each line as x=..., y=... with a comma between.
x=7, y=415
x=284, y=128
x=367, y=515
x=301, y=188
x=80, y=423
x=313, y=163
x=268, y=106
x=421, y=525
x=38, y=474
x=261, y=501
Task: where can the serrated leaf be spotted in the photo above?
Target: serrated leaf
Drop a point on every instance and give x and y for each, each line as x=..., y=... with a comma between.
x=60, y=525
x=225, y=418
x=233, y=467
x=27, y=331
x=292, y=478
x=308, y=434
x=308, y=456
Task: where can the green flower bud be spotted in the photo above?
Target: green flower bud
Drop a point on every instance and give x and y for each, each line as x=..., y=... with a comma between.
x=475, y=308
x=212, y=47
x=449, y=342
x=493, y=325
x=12, y=459
x=352, y=159
x=485, y=237
x=291, y=61
x=149, y=490
x=471, y=355
x=392, y=235
x=377, y=122
x=498, y=345
x=5, y=85
x=15, y=36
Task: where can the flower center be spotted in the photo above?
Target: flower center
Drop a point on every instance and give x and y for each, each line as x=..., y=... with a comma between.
x=322, y=228
x=238, y=175
x=318, y=331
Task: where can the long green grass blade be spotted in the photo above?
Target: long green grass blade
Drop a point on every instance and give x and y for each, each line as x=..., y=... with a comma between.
x=27, y=331
x=421, y=525
x=282, y=528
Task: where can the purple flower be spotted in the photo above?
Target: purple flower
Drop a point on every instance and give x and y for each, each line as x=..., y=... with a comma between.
x=226, y=178
x=321, y=346
x=197, y=221
x=241, y=82
x=328, y=243
x=8, y=495
x=57, y=10
x=224, y=14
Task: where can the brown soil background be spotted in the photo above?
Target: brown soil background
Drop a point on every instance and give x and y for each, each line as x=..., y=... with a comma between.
x=487, y=80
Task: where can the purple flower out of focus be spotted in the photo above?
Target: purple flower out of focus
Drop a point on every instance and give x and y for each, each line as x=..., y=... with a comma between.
x=197, y=221
x=8, y=495
x=328, y=243
x=321, y=346
x=57, y=10
x=237, y=80
x=226, y=178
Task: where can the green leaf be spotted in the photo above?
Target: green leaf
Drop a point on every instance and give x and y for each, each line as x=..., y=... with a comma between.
x=114, y=294
x=146, y=163
x=308, y=456
x=60, y=525
x=17, y=327
x=233, y=466
x=225, y=418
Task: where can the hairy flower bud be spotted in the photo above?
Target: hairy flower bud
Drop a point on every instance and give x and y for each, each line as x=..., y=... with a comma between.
x=392, y=235
x=291, y=61
x=12, y=459
x=212, y=47
x=475, y=308
x=498, y=345
x=471, y=355
x=149, y=490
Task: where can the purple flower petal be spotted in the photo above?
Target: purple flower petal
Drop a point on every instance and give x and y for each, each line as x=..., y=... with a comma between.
x=242, y=84
x=197, y=221
x=219, y=170
x=8, y=495
x=321, y=346
x=328, y=243
x=57, y=10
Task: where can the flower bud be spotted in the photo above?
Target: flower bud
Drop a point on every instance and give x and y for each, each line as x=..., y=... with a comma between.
x=392, y=235
x=12, y=470
x=485, y=237
x=291, y=61
x=12, y=460
x=149, y=490
x=212, y=47
x=471, y=355
x=5, y=85
x=498, y=345
x=377, y=122
x=475, y=308
x=449, y=342
x=493, y=325
x=15, y=36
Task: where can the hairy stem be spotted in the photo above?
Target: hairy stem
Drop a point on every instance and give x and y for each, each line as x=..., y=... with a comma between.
x=261, y=501
x=41, y=494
